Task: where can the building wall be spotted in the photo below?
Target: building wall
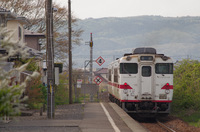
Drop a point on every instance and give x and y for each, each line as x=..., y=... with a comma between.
x=15, y=27
x=32, y=42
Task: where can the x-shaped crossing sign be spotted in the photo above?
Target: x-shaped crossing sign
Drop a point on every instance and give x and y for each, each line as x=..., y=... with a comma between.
x=98, y=80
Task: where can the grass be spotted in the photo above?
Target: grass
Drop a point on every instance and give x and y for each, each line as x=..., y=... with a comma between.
x=35, y=105
x=86, y=98
x=191, y=117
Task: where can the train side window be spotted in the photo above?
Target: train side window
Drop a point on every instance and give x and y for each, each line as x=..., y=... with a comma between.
x=164, y=68
x=128, y=68
x=115, y=75
x=146, y=71
x=109, y=74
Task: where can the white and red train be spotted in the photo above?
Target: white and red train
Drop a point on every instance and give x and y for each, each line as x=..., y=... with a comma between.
x=142, y=82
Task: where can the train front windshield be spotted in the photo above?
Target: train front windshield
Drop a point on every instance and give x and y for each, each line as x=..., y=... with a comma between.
x=128, y=68
x=164, y=68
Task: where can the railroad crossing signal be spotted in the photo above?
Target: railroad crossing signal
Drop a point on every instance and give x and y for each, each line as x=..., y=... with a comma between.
x=98, y=80
x=100, y=61
x=91, y=43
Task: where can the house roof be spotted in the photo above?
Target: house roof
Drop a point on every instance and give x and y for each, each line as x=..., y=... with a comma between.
x=34, y=53
x=12, y=16
x=102, y=71
x=7, y=13
x=3, y=10
x=30, y=33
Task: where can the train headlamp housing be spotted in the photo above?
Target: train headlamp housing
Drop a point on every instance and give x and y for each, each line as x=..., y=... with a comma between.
x=167, y=91
x=128, y=58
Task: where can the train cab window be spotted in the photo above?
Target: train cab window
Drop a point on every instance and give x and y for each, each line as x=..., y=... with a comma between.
x=128, y=68
x=146, y=71
x=115, y=75
x=164, y=68
x=109, y=74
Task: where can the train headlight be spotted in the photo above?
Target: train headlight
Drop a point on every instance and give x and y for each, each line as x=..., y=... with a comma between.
x=167, y=91
x=128, y=58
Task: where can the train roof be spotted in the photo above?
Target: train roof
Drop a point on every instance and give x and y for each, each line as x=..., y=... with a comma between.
x=144, y=50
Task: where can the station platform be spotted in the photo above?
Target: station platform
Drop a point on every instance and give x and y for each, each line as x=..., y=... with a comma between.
x=97, y=117
x=108, y=117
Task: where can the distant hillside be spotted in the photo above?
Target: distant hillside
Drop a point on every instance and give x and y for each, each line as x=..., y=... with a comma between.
x=176, y=37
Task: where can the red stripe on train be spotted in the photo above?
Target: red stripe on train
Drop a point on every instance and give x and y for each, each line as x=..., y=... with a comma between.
x=158, y=101
x=167, y=86
x=120, y=86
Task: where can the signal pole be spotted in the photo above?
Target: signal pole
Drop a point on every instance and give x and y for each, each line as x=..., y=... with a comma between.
x=50, y=59
x=91, y=58
x=70, y=52
x=91, y=63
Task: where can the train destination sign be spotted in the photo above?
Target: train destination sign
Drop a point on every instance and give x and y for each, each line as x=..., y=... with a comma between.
x=98, y=80
x=100, y=61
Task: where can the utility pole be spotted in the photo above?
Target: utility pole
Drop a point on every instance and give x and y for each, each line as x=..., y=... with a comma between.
x=91, y=63
x=91, y=59
x=50, y=59
x=70, y=52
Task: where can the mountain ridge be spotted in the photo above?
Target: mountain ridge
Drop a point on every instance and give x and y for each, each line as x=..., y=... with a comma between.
x=177, y=37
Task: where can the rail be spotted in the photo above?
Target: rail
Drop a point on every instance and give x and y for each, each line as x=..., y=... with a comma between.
x=164, y=126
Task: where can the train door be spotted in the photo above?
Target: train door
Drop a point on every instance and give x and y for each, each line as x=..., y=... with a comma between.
x=146, y=81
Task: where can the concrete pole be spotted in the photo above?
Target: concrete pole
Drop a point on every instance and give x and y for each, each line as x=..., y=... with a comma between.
x=70, y=52
x=50, y=59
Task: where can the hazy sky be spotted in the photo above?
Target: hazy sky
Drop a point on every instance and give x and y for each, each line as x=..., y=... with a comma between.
x=123, y=8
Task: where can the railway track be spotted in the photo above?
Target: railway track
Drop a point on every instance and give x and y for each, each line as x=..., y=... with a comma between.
x=164, y=126
x=154, y=125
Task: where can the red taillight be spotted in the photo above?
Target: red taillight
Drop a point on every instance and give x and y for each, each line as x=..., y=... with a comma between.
x=125, y=84
x=167, y=84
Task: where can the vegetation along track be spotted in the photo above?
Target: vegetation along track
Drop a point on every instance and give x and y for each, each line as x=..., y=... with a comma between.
x=174, y=123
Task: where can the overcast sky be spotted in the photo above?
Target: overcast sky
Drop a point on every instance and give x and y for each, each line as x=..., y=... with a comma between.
x=123, y=8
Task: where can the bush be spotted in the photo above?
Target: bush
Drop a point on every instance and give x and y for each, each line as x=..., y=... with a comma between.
x=186, y=86
x=10, y=90
x=37, y=93
x=62, y=91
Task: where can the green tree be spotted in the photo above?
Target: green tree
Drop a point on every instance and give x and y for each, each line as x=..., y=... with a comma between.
x=36, y=92
x=62, y=90
x=187, y=85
